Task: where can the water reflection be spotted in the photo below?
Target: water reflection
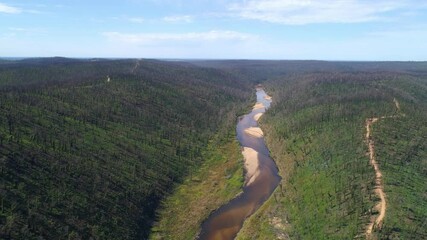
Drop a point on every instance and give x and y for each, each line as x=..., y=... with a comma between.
x=226, y=222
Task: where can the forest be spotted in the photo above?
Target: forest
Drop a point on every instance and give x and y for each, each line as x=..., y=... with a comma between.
x=126, y=149
x=83, y=157
x=316, y=133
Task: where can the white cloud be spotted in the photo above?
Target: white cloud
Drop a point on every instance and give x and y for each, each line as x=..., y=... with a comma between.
x=136, y=19
x=4, y=8
x=9, y=9
x=147, y=38
x=176, y=19
x=299, y=12
x=35, y=11
x=27, y=30
x=205, y=44
x=7, y=36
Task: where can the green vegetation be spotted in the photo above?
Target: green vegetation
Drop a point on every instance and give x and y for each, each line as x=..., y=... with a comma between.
x=218, y=180
x=81, y=157
x=86, y=158
x=401, y=144
x=315, y=131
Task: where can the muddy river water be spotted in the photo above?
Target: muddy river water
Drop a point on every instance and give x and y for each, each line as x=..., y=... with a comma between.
x=261, y=177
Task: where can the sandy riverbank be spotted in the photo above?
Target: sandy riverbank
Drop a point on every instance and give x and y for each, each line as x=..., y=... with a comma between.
x=254, y=132
x=251, y=164
x=257, y=116
x=258, y=105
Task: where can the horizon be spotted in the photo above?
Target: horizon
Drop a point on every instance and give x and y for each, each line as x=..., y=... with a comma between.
x=323, y=30
x=202, y=59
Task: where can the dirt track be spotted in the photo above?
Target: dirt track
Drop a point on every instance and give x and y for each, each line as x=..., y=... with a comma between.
x=381, y=207
x=379, y=188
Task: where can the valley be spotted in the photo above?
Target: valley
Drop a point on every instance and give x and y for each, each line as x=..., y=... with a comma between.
x=149, y=149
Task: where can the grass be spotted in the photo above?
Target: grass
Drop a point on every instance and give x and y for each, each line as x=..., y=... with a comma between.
x=218, y=181
x=313, y=190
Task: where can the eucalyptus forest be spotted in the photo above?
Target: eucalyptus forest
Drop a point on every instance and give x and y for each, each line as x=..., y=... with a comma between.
x=147, y=149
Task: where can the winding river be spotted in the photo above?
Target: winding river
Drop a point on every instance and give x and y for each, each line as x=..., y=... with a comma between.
x=261, y=177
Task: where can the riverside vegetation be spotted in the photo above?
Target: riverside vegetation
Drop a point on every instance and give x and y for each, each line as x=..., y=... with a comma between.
x=153, y=150
x=315, y=131
x=81, y=157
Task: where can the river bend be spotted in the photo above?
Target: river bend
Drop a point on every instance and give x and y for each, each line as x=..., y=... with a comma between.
x=260, y=181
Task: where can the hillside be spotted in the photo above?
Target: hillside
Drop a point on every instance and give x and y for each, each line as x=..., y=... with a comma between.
x=316, y=133
x=81, y=157
x=137, y=149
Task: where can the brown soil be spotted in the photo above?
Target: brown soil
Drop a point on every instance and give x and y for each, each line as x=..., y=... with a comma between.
x=381, y=207
x=379, y=188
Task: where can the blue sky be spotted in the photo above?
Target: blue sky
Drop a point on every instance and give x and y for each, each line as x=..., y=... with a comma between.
x=234, y=29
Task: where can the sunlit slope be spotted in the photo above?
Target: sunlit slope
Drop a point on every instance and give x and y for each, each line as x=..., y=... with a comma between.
x=82, y=157
x=316, y=133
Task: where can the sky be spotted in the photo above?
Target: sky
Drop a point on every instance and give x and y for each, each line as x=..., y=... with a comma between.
x=216, y=29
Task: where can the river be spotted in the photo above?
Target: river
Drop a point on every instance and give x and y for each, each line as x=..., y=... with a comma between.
x=261, y=177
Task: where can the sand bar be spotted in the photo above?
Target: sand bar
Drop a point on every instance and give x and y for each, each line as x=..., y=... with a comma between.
x=258, y=105
x=251, y=164
x=257, y=116
x=254, y=132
